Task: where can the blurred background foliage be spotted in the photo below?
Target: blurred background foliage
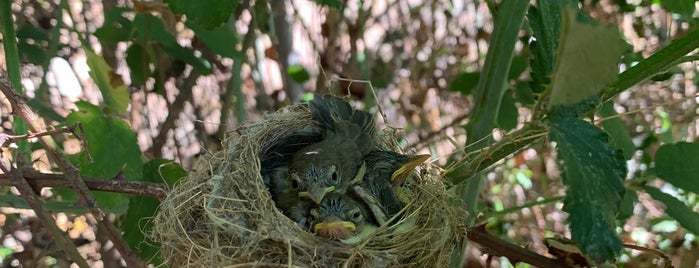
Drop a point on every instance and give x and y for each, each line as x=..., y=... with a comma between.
x=167, y=80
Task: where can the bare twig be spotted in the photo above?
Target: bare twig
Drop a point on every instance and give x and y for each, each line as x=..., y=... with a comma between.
x=40, y=180
x=71, y=173
x=495, y=246
x=174, y=111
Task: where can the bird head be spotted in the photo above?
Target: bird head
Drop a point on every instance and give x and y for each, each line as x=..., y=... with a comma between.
x=337, y=217
x=315, y=180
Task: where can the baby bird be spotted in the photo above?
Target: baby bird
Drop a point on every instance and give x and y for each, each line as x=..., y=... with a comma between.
x=334, y=163
x=339, y=217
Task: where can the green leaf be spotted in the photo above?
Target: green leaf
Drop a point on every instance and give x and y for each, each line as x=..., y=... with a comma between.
x=29, y=31
x=678, y=164
x=545, y=22
x=298, y=73
x=115, y=94
x=221, y=40
x=617, y=130
x=676, y=209
x=465, y=83
x=593, y=172
x=508, y=115
x=116, y=27
x=208, y=14
x=32, y=53
x=139, y=64
x=111, y=142
x=152, y=28
x=113, y=147
x=582, y=69
x=626, y=206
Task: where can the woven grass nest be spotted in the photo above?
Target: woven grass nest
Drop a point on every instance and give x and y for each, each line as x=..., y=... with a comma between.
x=223, y=215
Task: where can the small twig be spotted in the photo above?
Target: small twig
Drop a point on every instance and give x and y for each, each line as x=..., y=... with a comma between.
x=28, y=194
x=8, y=139
x=40, y=180
x=174, y=111
x=495, y=246
x=71, y=173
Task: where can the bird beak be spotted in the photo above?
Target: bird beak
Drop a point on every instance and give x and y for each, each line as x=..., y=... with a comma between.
x=402, y=173
x=317, y=193
x=335, y=229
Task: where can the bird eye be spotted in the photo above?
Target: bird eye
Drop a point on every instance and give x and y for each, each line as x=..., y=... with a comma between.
x=334, y=177
x=356, y=215
x=294, y=184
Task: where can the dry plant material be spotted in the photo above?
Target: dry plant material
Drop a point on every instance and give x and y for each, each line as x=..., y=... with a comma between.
x=224, y=215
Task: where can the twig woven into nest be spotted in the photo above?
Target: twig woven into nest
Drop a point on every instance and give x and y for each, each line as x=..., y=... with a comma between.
x=224, y=215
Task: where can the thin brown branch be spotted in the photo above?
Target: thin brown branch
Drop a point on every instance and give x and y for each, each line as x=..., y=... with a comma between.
x=41, y=180
x=28, y=194
x=71, y=173
x=174, y=111
x=495, y=246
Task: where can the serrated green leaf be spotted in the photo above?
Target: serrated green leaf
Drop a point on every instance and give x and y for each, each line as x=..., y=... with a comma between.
x=152, y=28
x=508, y=114
x=464, y=83
x=676, y=209
x=617, y=130
x=139, y=64
x=208, y=14
x=593, y=172
x=220, y=40
x=545, y=22
x=678, y=164
x=583, y=69
x=115, y=94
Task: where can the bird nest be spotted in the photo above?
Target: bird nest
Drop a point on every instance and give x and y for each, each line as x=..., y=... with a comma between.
x=224, y=215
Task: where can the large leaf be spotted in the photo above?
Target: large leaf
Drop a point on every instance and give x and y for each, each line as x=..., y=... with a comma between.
x=209, y=14
x=141, y=209
x=593, y=172
x=115, y=94
x=679, y=164
x=676, y=209
x=582, y=68
x=113, y=147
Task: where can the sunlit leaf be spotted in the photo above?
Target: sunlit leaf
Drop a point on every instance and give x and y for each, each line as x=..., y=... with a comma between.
x=115, y=94
x=593, y=172
x=220, y=40
x=582, y=68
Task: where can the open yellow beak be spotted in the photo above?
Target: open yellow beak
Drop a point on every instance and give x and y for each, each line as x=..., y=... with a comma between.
x=335, y=229
x=402, y=173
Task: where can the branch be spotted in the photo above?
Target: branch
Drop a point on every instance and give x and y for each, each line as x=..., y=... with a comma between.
x=71, y=173
x=28, y=194
x=40, y=180
x=495, y=246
